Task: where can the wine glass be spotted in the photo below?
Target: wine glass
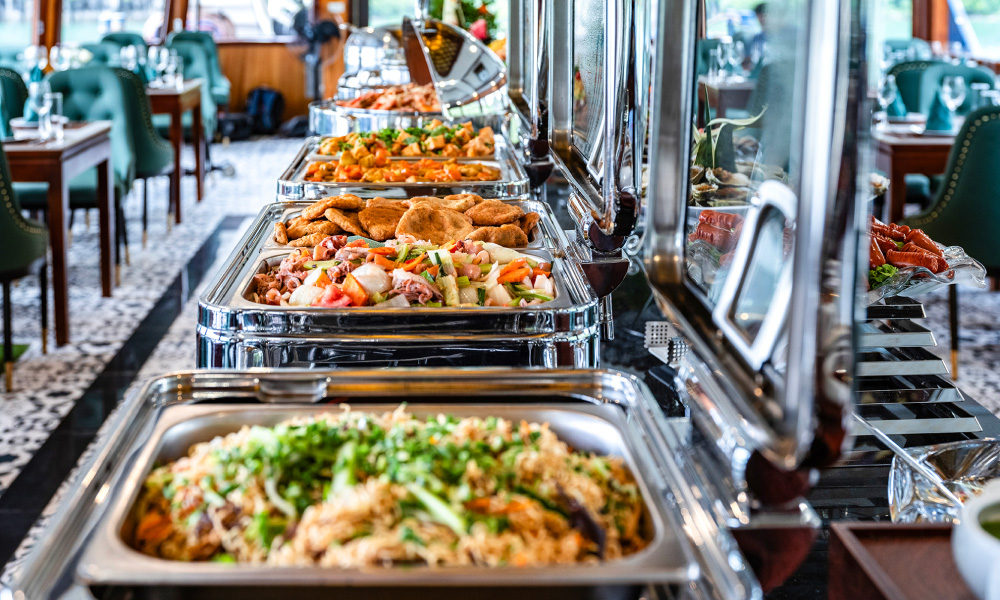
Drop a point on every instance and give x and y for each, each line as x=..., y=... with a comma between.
x=737, y=51
x=163, y=64
x=128, y=57
x=723, y=56
x=953, y=91
x=887, y=93
x=40, y=103
x=58, y=58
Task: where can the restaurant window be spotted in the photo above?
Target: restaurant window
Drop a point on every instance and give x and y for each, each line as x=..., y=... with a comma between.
x=486, y=19
x=89, y=20
x=975, y=25
x=245, y=19
x=736, y=19
x=15, y=22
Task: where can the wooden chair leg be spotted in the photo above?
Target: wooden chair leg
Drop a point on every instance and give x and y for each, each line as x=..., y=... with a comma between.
x=953, y=326
x=8, y=341
x=120, y=227
x=43, y=285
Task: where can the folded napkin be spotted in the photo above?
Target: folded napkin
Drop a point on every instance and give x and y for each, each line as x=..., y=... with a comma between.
x=897, y=108
x=30, y=116
x=939, y=117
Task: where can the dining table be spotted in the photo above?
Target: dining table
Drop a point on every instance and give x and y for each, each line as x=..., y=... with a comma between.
x=901, y=149
x=723, y=94
x=83, y=146
x=175, y=100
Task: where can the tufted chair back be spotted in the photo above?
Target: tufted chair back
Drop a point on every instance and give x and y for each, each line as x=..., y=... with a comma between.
x=13, y=95
x=196, y=66
x=966, y=210
x=220, y=84
x=908, y=78
x=105, y=53
x=152, y=153
x=921, y=47
x=22, y=241
x=126, y=38
x=930, y=81
x=95, y=93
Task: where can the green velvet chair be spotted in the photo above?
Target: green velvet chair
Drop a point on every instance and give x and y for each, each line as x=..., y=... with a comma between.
x=9, y=54
x=13, y=94
x=220, y=86
x=921, y=48
x=126, y=38
x=909, y=78
x=930, y=82
x=966, y=210
x=105, y=53
x=23, y=244
x=154, y=156
x=93, y=93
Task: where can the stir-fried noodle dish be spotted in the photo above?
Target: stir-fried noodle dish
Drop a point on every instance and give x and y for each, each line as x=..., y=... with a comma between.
x=355, y=489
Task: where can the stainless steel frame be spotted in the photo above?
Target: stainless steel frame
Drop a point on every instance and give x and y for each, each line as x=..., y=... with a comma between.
x=760, y=408
x=234, y=332
x=711, y=562
x=513, y=182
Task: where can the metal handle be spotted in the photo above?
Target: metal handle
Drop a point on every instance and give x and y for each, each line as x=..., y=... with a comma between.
x=538, y=54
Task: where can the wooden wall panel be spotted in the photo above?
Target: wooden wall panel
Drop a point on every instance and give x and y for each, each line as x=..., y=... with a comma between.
x=276, y=64
x=930, y=20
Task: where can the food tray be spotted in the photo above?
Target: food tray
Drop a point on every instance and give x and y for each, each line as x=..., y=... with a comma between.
x=513, y=182
x=233, y=332
x=328, y=118
x=913, y=281
x=109, y=560
x=545, y=235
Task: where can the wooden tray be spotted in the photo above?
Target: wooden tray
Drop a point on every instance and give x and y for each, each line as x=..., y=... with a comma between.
x=883, y=561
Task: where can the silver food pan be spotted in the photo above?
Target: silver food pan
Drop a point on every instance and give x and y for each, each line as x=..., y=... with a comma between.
x=694, y=548
x=545, y=235
x=110, y=561
x=513, y=180
x=328, y=118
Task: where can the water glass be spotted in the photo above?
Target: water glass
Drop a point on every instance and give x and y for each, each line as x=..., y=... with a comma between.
x=735, y=57
x=953, y=91
x=40, y=103
x=989, y=98
x=129, y=57
x=55, y=102
x=723, y=56
x=887, y=92
x=713, y=64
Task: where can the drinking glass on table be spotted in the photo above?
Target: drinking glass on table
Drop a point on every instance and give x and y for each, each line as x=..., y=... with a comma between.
x=40, y=103
x=129, y=57
x=953, y=92
x=723, y=57
x=55, y=102
x=887, y=92
x=735, y=57
x=713, y=64
x=59, y=58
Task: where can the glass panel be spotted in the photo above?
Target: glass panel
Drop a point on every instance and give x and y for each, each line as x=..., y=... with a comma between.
x=245, y=19
x=588, y=75
x=737, y=19
x=89, y=20
x=748, y=95
x=15, y=26
x=389, y=12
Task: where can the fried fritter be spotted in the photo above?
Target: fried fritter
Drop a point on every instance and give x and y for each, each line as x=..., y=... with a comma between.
x=456, y=203
x=507, y=235
x=304, y=228
x=308, y=241
x=528, y=222
x=476, y=198
x=385, y=202
x=348, y=221
x=280, y=233
x=436, y=225
x=344, y=201
x=380, y=221
x=494, y=212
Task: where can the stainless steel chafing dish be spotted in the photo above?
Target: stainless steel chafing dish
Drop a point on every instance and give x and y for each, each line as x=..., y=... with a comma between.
x=469, y=79
x=84, y=550
x=235, y=332
x=373, y=60
x=513, y=180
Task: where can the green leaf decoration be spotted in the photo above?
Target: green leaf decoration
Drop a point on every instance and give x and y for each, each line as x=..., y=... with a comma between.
x=725, y=153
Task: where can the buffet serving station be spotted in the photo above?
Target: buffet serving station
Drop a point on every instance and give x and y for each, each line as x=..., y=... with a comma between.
x=764, y=315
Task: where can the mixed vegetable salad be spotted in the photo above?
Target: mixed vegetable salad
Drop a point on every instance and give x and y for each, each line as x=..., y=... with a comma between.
x=337, y=273
x=437, y=139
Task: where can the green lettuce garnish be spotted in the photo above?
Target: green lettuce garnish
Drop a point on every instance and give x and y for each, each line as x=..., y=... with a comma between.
x=880, y=275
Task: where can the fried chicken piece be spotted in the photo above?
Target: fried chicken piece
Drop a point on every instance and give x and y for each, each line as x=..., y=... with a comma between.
x=528, y=222
x=280, y=233
x=344, y=201
x=304, y=228
x=348, y=221
x=308, y=241
x=456, y=203
x=381, y=202
x=436, y=225
x=380, y=221
x=507, y=235
x=494, y=212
